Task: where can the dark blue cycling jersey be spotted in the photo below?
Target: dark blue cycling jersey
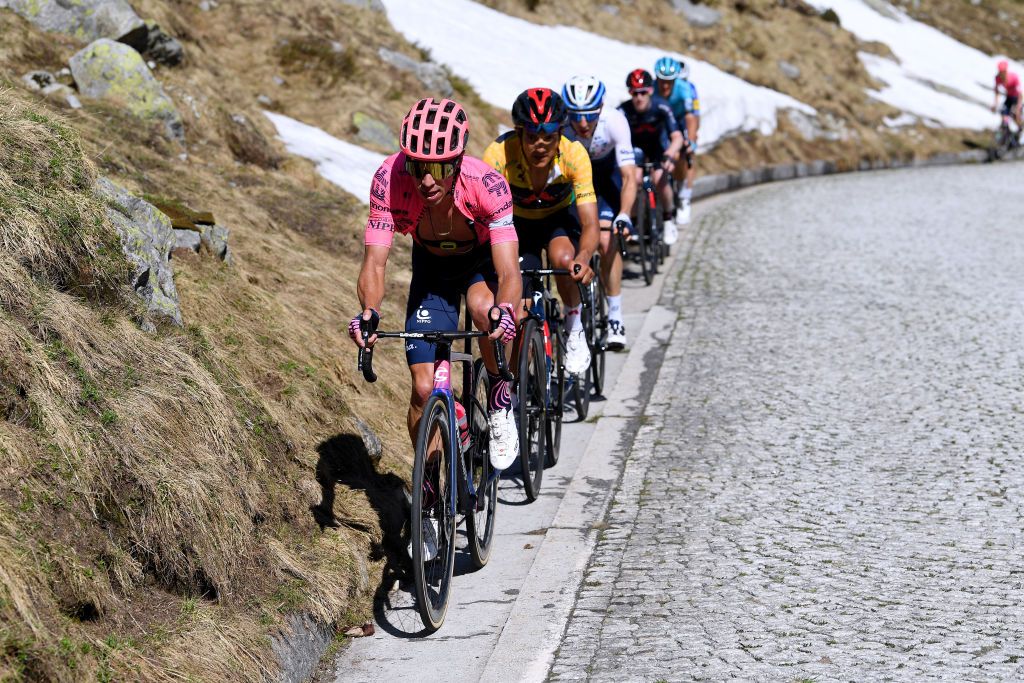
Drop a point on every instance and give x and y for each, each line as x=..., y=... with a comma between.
x=651, y=129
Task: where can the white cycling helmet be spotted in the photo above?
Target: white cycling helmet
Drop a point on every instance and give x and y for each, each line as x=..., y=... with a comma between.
x=583, y=93
x=684, y=70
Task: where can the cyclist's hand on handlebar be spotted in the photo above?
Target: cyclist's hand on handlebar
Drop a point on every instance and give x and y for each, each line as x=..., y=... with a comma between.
x=623, y=224
x=580, y=271
x=367, y=320
x=668, y=163
x=505, y=329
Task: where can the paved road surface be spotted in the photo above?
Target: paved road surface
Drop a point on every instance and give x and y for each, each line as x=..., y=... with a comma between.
x=808, y=468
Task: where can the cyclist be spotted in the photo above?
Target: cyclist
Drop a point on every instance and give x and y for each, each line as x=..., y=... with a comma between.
x=656, y=135
x=547, y=173
x=674, y=85
x=605, y=134
x=1010, y=83
x=459, y=213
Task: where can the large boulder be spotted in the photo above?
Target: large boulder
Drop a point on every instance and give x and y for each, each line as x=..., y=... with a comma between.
x=147, y=239
x=700, y=16
x=374, y=133
x=86, y=20
x=106, y=69
x=431, y=75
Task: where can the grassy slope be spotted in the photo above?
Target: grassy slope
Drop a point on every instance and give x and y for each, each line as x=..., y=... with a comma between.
x=155, y=503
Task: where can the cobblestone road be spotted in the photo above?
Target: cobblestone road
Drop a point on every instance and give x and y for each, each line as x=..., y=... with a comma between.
x=829, y=481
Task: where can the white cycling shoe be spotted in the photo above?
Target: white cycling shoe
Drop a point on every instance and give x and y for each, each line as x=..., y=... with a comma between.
x=429, y=540
x=671, y=232
x=577, y=353
x=504, y=442
x=683, y=213
x=616, y=335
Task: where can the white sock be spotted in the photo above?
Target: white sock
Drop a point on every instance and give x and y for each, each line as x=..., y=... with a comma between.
x=686, y=194
x=614, y=307
x=573, y=320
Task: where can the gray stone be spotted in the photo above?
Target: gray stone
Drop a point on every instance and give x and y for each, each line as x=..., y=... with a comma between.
x=37, y=80
x=790, y=71
x=372, y=442
x=86, y=20
x=700, y=16
x=374, y=5
x=62, y=93
x=374, y=132
x=163, y=48
x=610, y=9
x=300, y=646
x=106, y=69
x=431, y=75
x=187, y=240
x=215, y=237
x=147, y=239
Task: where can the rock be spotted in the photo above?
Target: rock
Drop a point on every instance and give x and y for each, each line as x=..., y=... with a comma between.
x=264, y=100
x=374, y=132
x=186, y=241
x=215, y=237
x=63, y=94
x=37, y=80
x=372, y=443
x=146, y=239
x=163, y=48
x=790, y=71
x=830, y=16
x=610, y=9
x=106, y=69
x=698, y=15
x=431, y=75
x=375, y=5
x=86, y=20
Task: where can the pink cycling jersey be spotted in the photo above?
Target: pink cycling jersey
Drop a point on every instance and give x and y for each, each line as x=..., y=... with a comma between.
x=480, y=193
x=1011, y=83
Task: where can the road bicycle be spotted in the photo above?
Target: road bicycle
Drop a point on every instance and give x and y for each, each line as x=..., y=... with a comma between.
x=595, y=325
x=452, y=472
x=1006, y=141
x=649, y=225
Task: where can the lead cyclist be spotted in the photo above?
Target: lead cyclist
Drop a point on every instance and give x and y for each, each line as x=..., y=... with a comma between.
x=605, y=134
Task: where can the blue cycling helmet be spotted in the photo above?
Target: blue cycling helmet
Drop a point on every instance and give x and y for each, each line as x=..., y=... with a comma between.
x=583, y=93
x=667, y=69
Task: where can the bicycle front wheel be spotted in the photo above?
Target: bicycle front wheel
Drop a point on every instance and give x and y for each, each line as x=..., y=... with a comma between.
x=556, y=395
x=532, y=411
x=433, y=519
x=480, y=515
x=643, y=236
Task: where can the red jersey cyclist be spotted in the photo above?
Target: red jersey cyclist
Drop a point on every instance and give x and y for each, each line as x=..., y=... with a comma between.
x=1010, y=84
x=548, y=174
x=459, y=213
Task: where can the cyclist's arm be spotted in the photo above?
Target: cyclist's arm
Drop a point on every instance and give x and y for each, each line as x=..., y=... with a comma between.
x=506, y=263
x=625, y=158
x=591, y=232
x=675, y=137
x=370, y=286
x=627, y=197
x=692, y=122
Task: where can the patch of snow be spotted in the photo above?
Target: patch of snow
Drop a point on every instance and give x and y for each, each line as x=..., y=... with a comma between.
x=348, y=166
x=525, y=55
x=900, y=121
x=926, y=58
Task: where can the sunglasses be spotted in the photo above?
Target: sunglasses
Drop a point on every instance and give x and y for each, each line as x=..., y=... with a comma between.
x=642, y=91
x=548, y=128
x=438, y=170
x=588, y=116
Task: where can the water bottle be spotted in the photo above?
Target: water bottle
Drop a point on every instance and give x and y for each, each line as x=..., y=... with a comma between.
x=460, y=417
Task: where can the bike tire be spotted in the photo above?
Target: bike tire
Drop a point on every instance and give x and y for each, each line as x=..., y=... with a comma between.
x=597, y=351
x=556, y=396
x=642, y=237
x=531, y=388
x=433, y=577
x=481, y=512
x=581, y=388
x=657, y=223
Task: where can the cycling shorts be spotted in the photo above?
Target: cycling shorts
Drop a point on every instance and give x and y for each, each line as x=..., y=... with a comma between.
x=608, y=185
x=1010, y=105
x=435, y=294
x=536, y=234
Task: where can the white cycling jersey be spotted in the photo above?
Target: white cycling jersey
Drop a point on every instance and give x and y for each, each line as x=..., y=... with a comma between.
x=611, y=136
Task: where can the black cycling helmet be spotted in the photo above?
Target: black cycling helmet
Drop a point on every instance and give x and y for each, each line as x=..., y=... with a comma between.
x=538, y=106
x=639, y=79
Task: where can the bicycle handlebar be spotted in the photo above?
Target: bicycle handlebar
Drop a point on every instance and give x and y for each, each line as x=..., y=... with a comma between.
x=499, y=351
x=369, y=327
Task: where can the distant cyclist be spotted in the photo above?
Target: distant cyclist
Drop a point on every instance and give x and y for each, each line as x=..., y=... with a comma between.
x=674, y=85
x=1009, y=82
x=459, y=213
x=604, y=132
x=656, y=134
x=548, y=173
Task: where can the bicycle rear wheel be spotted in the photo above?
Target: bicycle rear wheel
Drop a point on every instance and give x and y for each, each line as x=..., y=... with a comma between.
x=600, y=325
x=532, y=410
x=481, y=512
x=556, y=395
x=433, y=520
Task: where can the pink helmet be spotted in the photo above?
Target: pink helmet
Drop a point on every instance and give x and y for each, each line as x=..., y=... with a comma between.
x=435, y=131
x=1002, y=66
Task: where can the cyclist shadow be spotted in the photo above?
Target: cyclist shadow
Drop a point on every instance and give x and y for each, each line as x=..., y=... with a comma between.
x=345, y=460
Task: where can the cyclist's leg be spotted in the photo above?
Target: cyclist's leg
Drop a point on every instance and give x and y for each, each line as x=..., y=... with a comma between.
x=561, y=252
x=433, y=305
x=608, y=198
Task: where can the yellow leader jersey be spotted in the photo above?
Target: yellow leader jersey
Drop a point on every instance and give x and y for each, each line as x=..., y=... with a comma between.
x=570, y=179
